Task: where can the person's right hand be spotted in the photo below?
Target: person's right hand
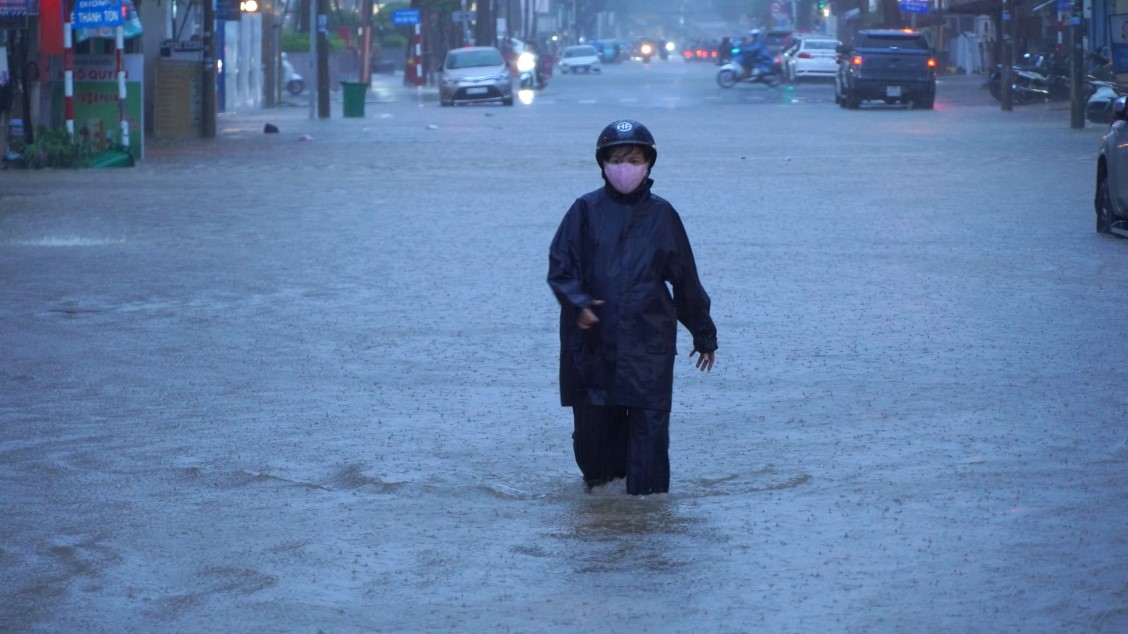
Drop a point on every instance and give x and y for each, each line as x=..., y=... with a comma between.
x=587, y=317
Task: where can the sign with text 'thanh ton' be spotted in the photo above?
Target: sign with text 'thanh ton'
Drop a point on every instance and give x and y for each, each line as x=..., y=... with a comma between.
x=91, y=14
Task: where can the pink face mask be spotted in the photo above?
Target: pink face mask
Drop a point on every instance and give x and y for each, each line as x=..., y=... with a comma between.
x=625, y=177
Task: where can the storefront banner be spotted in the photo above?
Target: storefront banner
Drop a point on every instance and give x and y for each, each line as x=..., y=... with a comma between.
x=1119, y=41
x=96, y=103
x=18, y=8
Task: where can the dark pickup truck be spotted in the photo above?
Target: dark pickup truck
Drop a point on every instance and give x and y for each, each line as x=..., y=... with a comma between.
x=886, y=65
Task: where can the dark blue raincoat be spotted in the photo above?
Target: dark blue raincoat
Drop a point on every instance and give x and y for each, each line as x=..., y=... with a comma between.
x=630, y=251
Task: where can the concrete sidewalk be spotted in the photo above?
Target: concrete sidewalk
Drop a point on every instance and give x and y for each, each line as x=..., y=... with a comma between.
x=385, y=88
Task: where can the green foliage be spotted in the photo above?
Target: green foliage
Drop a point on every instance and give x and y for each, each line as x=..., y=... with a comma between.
x=53, y=147
x=393, y=40
x=294, y=42
x=440, y=6
x=734, y=10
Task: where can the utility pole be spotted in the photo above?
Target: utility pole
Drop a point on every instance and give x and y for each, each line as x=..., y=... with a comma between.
x=207, y=98
x=322, y=59
x=1077, y=107
x=269, y=56
x=1005, y=97
x=314, y=81
x=366, y=42
x=464, y=14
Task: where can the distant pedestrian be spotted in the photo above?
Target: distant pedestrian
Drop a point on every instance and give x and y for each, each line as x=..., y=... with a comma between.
x=622, y=269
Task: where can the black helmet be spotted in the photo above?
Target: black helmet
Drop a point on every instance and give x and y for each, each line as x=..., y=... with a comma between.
x=625, y=132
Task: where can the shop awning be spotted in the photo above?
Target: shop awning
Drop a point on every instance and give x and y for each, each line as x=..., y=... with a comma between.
x=974, y=7
x=14, y=14
x=993, y=7
x=18, y=8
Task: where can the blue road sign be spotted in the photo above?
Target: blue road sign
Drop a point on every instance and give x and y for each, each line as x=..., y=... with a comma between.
x=405, y=16
x=914, y=6
x=92, y=14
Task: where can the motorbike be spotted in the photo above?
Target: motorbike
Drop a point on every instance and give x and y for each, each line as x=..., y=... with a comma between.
x=646, y=51
x=735, y=71
x=293, y=82
x=530, y=73
x=1102, y=98
x=1039, y=79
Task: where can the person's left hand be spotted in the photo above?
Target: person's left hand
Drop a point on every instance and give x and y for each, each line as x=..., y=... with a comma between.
x=705, y=361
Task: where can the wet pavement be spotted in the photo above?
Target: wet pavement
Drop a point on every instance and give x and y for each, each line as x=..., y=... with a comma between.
x=306, y=381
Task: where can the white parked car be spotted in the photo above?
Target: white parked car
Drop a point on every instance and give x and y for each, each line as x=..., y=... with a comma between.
x=810, y=56
x=580, y=58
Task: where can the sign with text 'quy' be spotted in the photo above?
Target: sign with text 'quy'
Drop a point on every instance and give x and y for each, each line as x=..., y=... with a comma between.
x=92, y=14
x=97, y=104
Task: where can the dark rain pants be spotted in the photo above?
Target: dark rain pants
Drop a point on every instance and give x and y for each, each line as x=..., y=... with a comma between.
x=620, y=442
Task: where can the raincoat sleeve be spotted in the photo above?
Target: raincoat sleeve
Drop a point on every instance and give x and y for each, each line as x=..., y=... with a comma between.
x=690, y=298
x=565, y=263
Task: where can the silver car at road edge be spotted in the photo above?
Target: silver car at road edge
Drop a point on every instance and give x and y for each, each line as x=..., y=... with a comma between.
x=1111, y=200
x=475, y=74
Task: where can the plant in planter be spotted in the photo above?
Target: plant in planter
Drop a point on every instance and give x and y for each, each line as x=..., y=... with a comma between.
x=53, y=147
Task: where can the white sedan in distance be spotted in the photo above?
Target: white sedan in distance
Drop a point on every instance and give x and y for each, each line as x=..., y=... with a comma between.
x=811, y=56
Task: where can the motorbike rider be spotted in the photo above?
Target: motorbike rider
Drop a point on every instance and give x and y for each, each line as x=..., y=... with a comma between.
x=756, y=58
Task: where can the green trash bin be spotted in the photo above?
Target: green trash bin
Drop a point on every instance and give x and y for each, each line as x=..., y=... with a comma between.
x=354, y=98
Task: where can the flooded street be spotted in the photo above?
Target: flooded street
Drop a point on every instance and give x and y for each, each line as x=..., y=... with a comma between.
x=274, y=385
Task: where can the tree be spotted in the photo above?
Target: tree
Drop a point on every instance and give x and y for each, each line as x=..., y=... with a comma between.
x=735, y=10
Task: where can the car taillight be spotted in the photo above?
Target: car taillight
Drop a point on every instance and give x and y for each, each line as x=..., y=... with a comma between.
x=805, y=56
x=713, y=54
x=931, y=63
x=857, y=61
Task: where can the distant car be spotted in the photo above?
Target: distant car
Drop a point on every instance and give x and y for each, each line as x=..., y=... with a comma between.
x=810, y=56
x=1111, y=200
x=475, y=74
x=610, y=51
x=777, y=40
x=699, y=51
x=580, y=58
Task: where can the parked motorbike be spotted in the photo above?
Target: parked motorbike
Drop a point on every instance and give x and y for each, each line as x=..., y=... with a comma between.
x=734, y=71
x=1102, y=99
x=1038, y=79
x=293, y=82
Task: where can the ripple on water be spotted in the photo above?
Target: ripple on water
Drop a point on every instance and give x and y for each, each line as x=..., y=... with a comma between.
x=64, y=241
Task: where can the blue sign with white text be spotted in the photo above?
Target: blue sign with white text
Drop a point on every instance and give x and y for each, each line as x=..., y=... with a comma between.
x=914, y=6
x=405, y=16
x=90, y=14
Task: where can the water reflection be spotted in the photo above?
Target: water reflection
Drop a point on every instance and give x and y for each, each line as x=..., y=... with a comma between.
x=629, y=534
x=526, y=96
